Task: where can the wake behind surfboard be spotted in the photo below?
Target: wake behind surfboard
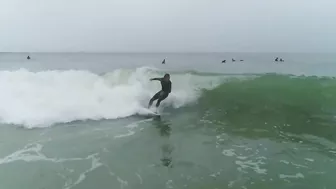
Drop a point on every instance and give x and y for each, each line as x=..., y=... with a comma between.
x=148, y=113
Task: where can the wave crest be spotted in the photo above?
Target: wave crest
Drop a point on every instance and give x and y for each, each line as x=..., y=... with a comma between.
x=41, y=99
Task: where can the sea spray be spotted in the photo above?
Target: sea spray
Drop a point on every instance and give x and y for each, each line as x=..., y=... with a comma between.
x=41, y=99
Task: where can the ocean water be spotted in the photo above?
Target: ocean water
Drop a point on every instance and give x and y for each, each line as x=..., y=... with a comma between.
x=77, y=121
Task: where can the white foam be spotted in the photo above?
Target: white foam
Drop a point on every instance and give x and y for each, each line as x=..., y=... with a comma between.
x=254, y=165
x=33, y=152
x=122, y=182
x=139, y=176
x=41, y=99
x=229, y=152
x=309, y=159
x=129, y=133
x=298, y=175
x=94, y=165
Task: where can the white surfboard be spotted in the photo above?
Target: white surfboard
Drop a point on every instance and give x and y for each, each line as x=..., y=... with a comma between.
x=149, y=113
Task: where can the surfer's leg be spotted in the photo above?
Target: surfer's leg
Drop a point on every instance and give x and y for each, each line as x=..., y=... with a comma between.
x=162, y=97
x=156, y=96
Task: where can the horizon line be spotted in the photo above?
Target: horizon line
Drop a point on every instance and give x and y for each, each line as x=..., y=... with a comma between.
x=167, y=52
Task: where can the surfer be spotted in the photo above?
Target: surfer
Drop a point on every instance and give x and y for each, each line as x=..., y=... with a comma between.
x=28, y=57
x=163, y=94
x=164, y=61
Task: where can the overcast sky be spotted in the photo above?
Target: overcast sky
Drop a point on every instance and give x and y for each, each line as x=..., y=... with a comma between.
x=168, y=25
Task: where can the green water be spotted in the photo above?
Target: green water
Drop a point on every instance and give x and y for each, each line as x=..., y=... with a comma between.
x=268, y=132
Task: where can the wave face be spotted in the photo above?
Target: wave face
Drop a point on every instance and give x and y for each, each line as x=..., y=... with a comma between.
x=41, y=99
x=302, y=104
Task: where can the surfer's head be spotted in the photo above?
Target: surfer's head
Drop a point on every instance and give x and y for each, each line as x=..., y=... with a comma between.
x=166, y=77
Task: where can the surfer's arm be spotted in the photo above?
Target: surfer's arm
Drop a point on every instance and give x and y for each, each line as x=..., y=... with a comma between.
x=158, y=79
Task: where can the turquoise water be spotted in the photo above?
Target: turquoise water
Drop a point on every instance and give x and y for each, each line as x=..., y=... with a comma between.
x=252, y=124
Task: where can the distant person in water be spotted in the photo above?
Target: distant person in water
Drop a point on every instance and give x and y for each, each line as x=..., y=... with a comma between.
x=224, y=61
x=277, y=59
x=28, y=57
x=281, y=60
x=163, y=94
x=164, y=61
x=241, y=60
x=233, y=60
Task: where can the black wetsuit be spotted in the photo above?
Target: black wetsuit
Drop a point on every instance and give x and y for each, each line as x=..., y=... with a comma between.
x=161, y=95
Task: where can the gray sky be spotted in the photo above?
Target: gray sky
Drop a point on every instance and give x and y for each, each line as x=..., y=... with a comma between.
x=168, y=25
